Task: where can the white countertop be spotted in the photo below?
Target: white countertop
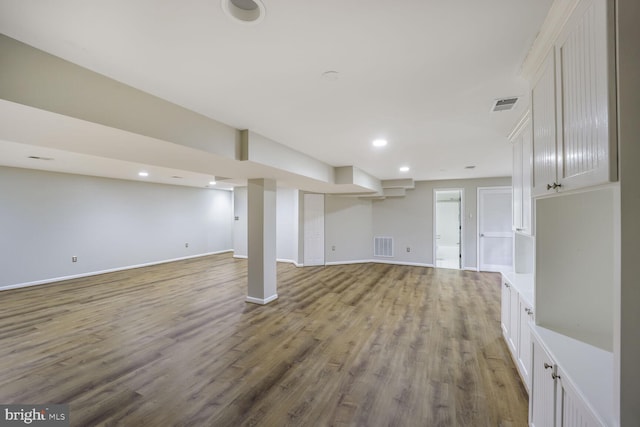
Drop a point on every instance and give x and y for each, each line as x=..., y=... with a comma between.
x=523, y=283
x=590, y=369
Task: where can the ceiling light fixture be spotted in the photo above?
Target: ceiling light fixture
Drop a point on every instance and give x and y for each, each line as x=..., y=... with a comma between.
x=379, y=142
x=244, y=11
x=331, y=75
x=404, y=169
x=212, y=183
x=143, y=173
x=40, y=158
x=470, y=167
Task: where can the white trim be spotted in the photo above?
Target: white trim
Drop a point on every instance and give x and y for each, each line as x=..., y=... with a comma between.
x=551, y=28
x=240, y=256
x=463, y=217
x=380, y=261
x=470, y=269
x=357, y=261
x=411, y=264
x=110, y=270
x=261, y=301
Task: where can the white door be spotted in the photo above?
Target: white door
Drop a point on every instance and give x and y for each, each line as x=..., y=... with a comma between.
x=313, y=229
x=448, y=228
x=495, y=237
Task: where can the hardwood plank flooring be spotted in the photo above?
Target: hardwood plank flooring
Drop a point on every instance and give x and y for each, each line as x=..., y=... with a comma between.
x=175, y=344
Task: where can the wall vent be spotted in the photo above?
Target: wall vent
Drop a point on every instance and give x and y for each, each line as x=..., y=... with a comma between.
x=504, y=104
x=383, y=246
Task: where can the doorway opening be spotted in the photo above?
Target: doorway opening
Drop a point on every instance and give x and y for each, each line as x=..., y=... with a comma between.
x=448, y=228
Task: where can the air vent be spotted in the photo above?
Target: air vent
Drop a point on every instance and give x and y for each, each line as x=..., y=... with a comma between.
x=383, y=246
x=504, y=104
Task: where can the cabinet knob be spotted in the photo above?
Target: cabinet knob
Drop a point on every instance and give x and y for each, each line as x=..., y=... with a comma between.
x=547, y=366
x=553, y=186
x=555, y=376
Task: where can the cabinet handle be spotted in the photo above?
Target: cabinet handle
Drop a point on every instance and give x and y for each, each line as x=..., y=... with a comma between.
x=507, y=285
x=554, y=186
x=555, y=376
x=528, y=310
x=547, y=366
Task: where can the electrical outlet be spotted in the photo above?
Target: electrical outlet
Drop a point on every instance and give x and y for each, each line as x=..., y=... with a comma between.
x=186, y=245
x=74, y=259
x=333, y=248
x=408, y=249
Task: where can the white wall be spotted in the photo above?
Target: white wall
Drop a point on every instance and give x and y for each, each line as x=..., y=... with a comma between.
x=348, y=224
x=46, y=218
x=287, y=225
x=287, y=221
x=409, y=220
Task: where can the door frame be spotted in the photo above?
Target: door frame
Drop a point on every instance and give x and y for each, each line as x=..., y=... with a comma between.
x=497, y=187
x=462, y=227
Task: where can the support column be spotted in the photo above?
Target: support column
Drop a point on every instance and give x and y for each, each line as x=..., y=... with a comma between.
x=261, y=288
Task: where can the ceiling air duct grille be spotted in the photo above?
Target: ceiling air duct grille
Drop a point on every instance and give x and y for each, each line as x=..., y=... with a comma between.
x=383, y=246
x=504, y=104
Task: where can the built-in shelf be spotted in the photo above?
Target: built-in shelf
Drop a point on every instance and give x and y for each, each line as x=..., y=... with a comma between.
x=523, y=284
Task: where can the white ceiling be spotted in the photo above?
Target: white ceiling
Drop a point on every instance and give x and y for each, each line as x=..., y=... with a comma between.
x=422, y=74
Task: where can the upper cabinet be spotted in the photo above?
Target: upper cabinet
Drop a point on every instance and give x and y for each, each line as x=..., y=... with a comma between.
x=521, y=139
x=573, y=105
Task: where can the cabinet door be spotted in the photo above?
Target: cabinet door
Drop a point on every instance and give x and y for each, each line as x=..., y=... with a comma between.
x=516, y=183
x=514, y=323
x=544, y=127
x=527, y=161
x=524, y=349
x=571, y=410
x=505, y=306
x=586, y=150
x=542, y=397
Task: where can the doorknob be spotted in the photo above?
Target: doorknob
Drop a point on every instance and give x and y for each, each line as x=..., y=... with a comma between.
x=481, y=234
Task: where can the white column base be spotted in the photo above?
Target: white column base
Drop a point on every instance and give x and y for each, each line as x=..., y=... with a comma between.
x=261, y=301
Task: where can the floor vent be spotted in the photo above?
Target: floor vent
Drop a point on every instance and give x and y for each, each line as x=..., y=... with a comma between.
x=383, y=246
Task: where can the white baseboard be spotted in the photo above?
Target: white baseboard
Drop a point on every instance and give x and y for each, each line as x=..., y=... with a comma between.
x=470, y=269
x=110, y=270
x=240, y=256
x=290, y=261
x=379, y=261
x=261, y=301
x=361, y=261
x=411, y=264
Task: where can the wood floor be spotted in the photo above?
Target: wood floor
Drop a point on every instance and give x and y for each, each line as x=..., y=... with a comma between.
x=175, y=344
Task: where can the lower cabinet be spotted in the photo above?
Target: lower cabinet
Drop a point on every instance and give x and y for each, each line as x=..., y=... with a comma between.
x=553, y=400
x=515, y=316
x=524, y=349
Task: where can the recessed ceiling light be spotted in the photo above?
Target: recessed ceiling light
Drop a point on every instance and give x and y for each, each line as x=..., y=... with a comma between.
x=212, y=183
x=379, y=142
x=143, y=173
x=176, y=177
x=244, y=11
x=40, y=158
x=404, y=169
x=470, y=167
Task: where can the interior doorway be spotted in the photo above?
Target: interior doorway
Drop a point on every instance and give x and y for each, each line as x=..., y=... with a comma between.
x=448, y=228
x=495, y=236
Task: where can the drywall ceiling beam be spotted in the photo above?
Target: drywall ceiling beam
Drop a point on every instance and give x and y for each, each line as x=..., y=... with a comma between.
x=406, y=183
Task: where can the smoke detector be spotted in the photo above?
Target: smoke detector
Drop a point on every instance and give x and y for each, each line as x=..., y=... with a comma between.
x=504, y=104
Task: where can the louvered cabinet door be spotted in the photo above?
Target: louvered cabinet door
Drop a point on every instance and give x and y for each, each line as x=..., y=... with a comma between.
x=587, y=141
x=543, y=116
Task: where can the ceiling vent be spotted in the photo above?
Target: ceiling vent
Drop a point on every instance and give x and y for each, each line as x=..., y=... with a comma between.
x=504, y=104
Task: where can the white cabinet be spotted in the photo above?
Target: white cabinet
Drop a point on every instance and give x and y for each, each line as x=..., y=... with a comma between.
x=554, y=400
x=571, y=410
x=524, y=349
x=521, y=139
x=505, y=310
x=572, y=106
x=516, y=313
x=542, y=398
x=543, y=116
